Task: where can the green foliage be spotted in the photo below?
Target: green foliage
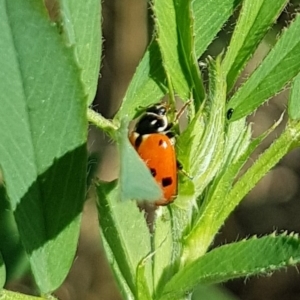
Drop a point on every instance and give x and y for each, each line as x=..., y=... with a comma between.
x=173, y=25
x=10, y=248
x=126, y=237
x=8, y=295
x=255, y=19
x=294, y=103
x=212, y=292
x=2, y=273
x=43, y=131
x=279, y=67
x=148, y=84
x=212, y=149
x=80, y=22
x=244, y=258
x=50, y=64
x=209, y=19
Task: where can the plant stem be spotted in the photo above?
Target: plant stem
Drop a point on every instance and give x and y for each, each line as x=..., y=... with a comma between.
x=100, y=122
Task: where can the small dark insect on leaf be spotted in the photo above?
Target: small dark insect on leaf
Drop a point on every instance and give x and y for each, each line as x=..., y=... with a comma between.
x=229, y=113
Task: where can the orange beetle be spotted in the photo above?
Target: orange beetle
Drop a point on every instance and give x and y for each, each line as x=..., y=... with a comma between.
x=154, y=142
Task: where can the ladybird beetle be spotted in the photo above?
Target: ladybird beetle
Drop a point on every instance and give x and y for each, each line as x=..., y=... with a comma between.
x=154, y=141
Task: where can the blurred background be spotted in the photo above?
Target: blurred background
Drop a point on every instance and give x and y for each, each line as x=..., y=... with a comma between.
x=273, y=205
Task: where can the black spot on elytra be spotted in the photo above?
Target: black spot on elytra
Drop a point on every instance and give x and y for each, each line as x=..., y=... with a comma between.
x=166, y=181
x=160, y=142
x=153, y=172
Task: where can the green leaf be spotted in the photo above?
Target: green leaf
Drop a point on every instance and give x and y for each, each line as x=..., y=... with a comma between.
x=245, y=258
x=147, y=86
x=175, y=38
x=289, y=139
x=217, y=204
x=143, y=292
x=135, y=180
x=203, y=156
x=10, y=245
x=82, y=27
x=207, y=225
x=2, y=272
x=237, y=143
x=163, y=245
x=43, y=127
x=212, y=292
x=255, y=19
x=126, y=236
x=294, y=99
x=169, y=43
x=121, y=281
x=149, y=83
x=185, y=27
x=209, y=21
x=205, y=134
x=280, y=66
x=9, y=295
